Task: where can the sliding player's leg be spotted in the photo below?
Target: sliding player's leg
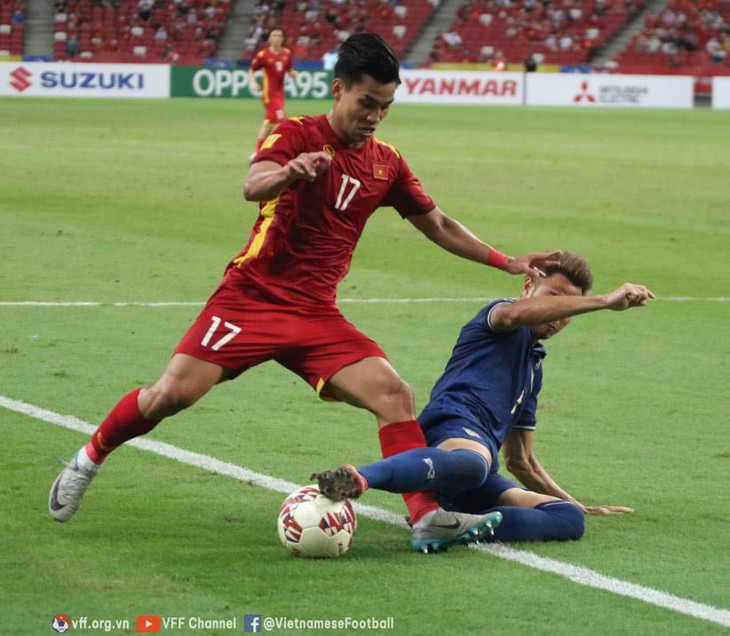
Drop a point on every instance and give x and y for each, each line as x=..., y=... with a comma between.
x=526, y=515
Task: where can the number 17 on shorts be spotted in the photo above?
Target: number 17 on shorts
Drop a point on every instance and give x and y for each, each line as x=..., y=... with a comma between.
x=217, y=338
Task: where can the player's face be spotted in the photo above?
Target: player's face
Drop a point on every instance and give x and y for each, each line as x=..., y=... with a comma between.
x=553, y=285
x=276, y=38
x=358, y=110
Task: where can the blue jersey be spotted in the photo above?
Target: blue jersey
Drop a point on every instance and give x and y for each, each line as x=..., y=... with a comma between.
x=491, y=380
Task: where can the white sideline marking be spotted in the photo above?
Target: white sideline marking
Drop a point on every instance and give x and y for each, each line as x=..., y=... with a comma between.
x=575, y=573
x=394, y=301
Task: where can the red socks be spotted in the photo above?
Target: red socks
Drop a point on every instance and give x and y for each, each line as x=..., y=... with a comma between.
x=400, y=437
x=123, y=423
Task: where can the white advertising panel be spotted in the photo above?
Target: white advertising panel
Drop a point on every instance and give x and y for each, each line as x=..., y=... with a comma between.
x=622, y=91
x=460, y=87
x=33, y=79
x=721, y=92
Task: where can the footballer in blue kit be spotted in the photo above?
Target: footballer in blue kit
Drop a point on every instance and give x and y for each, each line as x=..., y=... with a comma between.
x=486, y=401
x=489, y=386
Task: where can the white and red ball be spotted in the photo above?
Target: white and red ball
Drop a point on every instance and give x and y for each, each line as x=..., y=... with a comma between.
x=312, y=525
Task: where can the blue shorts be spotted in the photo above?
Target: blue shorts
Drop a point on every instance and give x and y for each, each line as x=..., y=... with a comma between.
x=438, y=426
x=442, y=426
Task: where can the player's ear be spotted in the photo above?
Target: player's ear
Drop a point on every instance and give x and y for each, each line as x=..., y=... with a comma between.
x=338, y=87
x=528, y=286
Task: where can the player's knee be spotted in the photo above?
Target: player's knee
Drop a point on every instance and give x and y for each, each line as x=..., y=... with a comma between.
x=395, y=402
x=472, y=469
x=574, y=521
x=161, y=402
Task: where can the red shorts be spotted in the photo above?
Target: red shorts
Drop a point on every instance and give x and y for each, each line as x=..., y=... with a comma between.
x=237, y=332
x=275, y=111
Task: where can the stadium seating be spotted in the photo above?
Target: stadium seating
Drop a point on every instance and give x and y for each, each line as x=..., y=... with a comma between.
x=12, y=27
x=168, y=31
x=313, y=27
x=555, y=32
x=688, y=36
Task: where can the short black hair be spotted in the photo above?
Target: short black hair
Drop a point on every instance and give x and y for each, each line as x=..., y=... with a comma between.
x=367, y=54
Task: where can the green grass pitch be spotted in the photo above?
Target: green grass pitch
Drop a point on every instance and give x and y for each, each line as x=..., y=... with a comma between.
x=140, y=201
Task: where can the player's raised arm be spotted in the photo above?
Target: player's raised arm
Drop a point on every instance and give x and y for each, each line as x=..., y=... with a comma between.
x=533, y=310
x=267, y=179
x=458, y=239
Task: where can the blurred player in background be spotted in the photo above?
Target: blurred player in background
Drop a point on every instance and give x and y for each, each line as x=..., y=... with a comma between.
x=317, y=181
x=485, y=400
x=275, y=61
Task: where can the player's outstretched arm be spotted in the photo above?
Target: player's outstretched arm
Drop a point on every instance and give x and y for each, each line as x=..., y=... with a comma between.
x=538, y=310
x=522, y=463
x=266, y=180
x=458, y=239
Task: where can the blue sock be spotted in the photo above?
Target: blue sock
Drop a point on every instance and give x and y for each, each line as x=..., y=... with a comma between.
x=427, y=469
x=549, y=521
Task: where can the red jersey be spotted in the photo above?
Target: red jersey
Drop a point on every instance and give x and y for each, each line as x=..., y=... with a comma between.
x=275, y=67
x=302, y=243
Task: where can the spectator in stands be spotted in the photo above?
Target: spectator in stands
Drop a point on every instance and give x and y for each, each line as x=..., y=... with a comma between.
x=530, y=63
x=575, y=14
x=716, y=50
x=18, y=16
x=329, y=59
x=671, y=50
x=182, y=8
x=499, y=63
x=145, y=9
x=72, y=46
x=653, y=44
x=452, y=38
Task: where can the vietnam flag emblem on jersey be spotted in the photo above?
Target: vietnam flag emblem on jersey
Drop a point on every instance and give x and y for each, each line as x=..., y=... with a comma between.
x=380, y=171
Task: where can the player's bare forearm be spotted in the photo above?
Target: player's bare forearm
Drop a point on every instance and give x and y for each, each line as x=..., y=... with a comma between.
x=454, y=237
x=533, y=477
x=538, y=310
x=253, y=84
x=266, y=180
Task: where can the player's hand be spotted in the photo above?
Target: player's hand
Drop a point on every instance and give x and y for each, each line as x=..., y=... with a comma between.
x=309, y=165
x=628, y=295
x=254, y=86
x=605, y=510
x=529, y=264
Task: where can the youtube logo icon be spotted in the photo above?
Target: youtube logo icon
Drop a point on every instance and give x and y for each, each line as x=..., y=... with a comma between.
x=148, y=624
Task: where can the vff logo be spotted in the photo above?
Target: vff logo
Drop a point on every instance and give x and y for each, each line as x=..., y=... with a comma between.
x=20, y=79
x=61, y=623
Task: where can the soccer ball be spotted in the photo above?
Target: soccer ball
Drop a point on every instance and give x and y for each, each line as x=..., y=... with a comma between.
x=312, y=525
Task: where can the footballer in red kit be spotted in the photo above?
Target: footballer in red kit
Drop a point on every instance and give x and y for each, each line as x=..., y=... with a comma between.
x=300, y=248
x=276, y=62
x=317, y=180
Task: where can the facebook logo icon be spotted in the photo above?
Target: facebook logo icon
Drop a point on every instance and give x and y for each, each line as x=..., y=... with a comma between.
x=252, y=623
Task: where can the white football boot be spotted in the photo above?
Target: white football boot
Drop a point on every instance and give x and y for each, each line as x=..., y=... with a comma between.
x=70, y=486
x=440, y=529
